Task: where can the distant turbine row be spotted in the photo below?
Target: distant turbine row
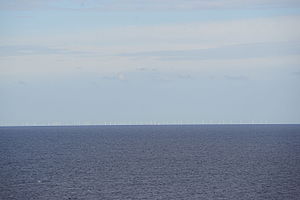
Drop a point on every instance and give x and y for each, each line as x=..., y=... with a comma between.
x=109, y=123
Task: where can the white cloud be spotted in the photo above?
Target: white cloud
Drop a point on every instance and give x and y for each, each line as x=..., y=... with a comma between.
x=104, y=45
x=187, y=36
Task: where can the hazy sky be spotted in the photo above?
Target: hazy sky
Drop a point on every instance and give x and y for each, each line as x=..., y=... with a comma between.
x=149, y=60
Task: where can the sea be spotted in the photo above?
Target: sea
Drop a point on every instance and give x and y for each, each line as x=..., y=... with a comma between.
x=205, y=162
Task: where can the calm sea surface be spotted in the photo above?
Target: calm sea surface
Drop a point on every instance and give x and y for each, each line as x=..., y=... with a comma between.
x=151, y=162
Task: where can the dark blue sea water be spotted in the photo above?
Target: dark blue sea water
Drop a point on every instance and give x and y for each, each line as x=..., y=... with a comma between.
x=151, y=162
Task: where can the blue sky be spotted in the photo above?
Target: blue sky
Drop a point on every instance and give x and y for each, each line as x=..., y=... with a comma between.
x=140, y=61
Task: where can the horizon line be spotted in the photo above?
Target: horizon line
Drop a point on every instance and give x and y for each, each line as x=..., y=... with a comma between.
x=144, y=124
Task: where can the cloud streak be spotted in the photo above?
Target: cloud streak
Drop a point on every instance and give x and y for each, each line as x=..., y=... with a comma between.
x=258, y=50
x=236, y=78
x=23, y=50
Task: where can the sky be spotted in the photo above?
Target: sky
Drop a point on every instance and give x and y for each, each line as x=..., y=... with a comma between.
x=145, y=61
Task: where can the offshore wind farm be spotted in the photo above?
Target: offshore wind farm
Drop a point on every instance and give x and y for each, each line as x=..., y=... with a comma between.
x=110, y=123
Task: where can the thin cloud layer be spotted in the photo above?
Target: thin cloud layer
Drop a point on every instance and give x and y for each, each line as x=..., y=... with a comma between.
x=142, y=4
x=23, y=50
x=244, y=51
